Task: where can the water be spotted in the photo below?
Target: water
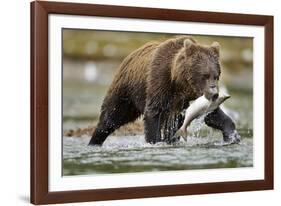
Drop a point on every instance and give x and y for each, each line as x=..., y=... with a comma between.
x=132, y=154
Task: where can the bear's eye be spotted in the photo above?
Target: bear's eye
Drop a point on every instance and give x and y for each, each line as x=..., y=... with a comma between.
x=216, y=77
x=206, y=76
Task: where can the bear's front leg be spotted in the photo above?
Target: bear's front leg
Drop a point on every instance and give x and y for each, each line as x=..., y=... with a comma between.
x=152, y=127
x=171, y=125
x=219, y=120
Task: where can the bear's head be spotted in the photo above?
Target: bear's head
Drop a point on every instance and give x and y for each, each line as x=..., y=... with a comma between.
x=196, y=70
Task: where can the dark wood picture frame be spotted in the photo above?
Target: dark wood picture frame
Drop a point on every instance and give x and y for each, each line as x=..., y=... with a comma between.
x=39, y=102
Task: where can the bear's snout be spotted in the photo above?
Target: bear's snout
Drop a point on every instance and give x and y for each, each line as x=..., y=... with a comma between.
x=212, y=93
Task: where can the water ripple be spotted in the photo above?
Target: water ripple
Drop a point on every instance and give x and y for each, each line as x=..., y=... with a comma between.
x=132, y=154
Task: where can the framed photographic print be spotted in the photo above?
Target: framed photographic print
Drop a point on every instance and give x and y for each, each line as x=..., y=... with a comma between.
x=131, y=102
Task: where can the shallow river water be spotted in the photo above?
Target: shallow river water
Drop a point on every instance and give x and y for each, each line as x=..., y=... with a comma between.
x=131, y=154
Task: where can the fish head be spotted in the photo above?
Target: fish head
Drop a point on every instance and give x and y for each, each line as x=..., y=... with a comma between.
x=222, y=97
x=216, y=103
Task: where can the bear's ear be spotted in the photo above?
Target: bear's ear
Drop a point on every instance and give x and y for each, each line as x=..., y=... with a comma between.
x=189, y=47
x=215, y=47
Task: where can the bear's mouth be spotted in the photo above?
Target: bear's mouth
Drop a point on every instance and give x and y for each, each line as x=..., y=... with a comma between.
x=207, y=96
x=214, y=97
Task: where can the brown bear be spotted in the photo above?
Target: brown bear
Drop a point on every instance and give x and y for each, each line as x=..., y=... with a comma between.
x=158, y=80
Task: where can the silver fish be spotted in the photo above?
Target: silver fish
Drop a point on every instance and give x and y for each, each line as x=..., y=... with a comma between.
x=199, y=107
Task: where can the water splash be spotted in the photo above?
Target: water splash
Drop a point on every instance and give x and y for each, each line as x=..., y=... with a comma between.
x=121, y=154
x=196, y=126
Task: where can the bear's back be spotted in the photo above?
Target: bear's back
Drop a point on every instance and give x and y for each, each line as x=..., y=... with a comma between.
x=152, y=61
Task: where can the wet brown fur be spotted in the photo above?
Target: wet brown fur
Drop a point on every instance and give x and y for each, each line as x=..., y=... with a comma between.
x=157, y=80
